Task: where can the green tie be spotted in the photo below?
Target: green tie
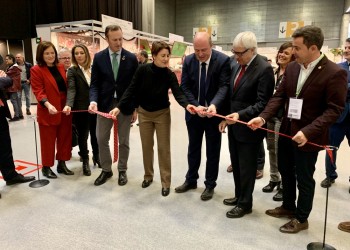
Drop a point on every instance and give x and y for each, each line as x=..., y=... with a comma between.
x=115, y=65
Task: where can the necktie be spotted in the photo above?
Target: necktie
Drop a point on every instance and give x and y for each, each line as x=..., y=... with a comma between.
x=115, y=65
x=241, y=73
x=202, y=84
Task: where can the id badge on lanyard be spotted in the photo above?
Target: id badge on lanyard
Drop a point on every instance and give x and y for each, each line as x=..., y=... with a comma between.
x=295, y=108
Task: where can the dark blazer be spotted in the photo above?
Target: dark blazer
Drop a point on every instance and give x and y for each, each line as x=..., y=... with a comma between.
x=44, y=87
x=78, y=89
x=28, y=67
x=323, y=95
x=250, y=97
x=4, y=83
x=217, y=80
x=103, y=86
x=346, y=111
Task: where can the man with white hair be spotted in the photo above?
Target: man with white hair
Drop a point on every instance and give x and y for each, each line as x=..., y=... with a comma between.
x=25, y=79
x=251, y=86
x=65, y=57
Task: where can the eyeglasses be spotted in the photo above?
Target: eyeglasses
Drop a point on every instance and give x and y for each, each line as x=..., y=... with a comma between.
x=239, y=53
x=64, y=58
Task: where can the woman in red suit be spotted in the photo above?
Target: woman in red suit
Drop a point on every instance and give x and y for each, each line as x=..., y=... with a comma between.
x=49, y=84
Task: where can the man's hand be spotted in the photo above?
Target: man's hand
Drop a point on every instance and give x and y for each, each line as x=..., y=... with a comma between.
x=191, y=108
x=134, y=117
x=300, y=139
x=92, y=107
x=201, y=111
x=114, y=113
x=67, y=110
x=232, y=118
x=255, y=123
x=222, y=126
x=211, y=110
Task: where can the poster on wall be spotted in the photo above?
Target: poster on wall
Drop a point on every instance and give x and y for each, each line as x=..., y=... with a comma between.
x=68, y=40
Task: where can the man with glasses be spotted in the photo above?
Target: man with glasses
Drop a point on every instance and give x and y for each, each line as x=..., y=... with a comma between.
x=65, y=57
x=251, y=86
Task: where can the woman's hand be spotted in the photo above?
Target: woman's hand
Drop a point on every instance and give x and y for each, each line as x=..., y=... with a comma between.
x=67, y=110
x=52, y=110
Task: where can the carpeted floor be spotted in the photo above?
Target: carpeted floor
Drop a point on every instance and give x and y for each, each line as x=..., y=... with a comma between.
x=71, y=213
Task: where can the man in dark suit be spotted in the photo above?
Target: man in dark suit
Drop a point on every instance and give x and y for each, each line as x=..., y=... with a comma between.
x=313, y=91
x=112, y=71
x=251, y=86
x=7, y=166
x=341, y=128
x=205, y=78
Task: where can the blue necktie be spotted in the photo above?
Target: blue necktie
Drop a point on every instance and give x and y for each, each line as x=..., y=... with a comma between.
x=202, y=84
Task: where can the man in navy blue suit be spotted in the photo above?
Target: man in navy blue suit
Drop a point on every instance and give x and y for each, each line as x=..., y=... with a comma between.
x=205, y=80
x=112, y=71
x=341, y=128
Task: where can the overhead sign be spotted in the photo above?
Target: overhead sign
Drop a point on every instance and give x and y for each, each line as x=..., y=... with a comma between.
x=127, y=27
x=211, y=30
x=174, y=37
x=287, y=28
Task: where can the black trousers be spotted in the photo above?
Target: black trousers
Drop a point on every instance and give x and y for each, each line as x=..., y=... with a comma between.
x=297, y=169
x=7, y=167
x=85, y=123
x=196, y=128
x=244, y=159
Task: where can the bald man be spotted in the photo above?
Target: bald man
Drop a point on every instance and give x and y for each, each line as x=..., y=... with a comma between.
x=205, y=81
x=25, y=79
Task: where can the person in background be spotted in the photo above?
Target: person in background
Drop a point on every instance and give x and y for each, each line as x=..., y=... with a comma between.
x=7, y=166
x=25, y=79
x=14, y=92
x=251, y=87
x=149, y=88
x=205, y=81
x=112, y=72
x=284, y=57
x=142, y=57
x=79, y=79
x=49, y=85
x=341, y=129
x=65, y=57
x=313, y=92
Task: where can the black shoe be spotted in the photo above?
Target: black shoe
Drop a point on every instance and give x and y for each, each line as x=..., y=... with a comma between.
x=237, y=212
x=146, y=183
x=96, y=160
x=271, y=186
x=231, y=201
x=103, y=177
x=86, y=167
x=165, y=191
x=28, y=112
x=21, y=117
x=185, y=187
x=207, y=194
x=327, y=183
x=47, y=172
x=14, y=119
x=20, y=179
x=62, y=168
x=123, y=178
x=278, y=196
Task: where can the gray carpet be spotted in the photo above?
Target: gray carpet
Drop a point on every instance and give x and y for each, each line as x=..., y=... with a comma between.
x=72, y=213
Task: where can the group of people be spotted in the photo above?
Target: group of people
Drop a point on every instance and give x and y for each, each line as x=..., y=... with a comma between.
x=309, y=97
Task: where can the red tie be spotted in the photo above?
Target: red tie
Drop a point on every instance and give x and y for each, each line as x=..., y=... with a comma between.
x=241, y=73
x=116, y=144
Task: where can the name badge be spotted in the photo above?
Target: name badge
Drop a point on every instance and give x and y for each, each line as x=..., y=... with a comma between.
x=294, y=109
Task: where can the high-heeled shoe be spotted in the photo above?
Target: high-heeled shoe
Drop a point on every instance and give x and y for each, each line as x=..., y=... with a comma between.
x=86, y=167
x=96, y=160
x=271, y=186
x=62, y=168
x=47, y=172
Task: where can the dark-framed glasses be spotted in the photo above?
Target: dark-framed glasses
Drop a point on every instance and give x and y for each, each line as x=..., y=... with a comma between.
x=236, y=53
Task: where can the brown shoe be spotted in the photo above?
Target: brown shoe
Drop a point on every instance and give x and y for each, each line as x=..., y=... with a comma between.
x=294, y=226
x=259, y=174
x=229, y=169
x=344, y=226
x=279, y=212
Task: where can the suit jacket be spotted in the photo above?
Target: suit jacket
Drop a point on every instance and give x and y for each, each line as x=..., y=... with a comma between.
x=15, y=73
x=44, y=87
x=323, y=94
x=103, y=85
x=217, y=81
x=78, y=89
x=250, y=97
x=346, y=111
x=4, y=83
